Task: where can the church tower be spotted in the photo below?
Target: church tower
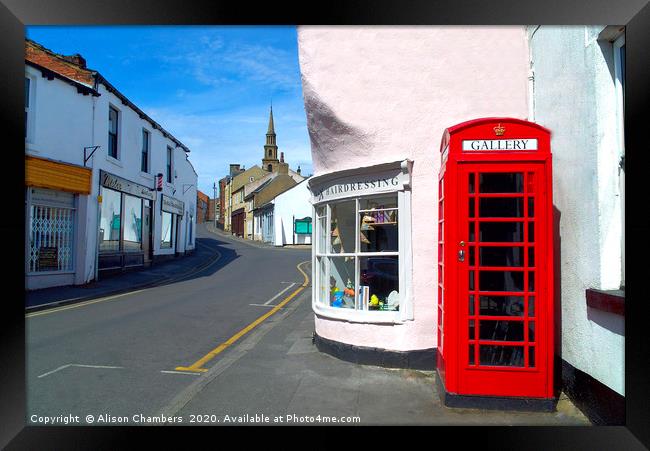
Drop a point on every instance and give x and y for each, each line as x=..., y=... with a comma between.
x=270, y=160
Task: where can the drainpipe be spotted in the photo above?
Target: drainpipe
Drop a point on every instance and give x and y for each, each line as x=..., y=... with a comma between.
x=531, y=77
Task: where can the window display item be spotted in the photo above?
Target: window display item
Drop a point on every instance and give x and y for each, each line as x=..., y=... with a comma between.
x=338, y=298
x=393, y=300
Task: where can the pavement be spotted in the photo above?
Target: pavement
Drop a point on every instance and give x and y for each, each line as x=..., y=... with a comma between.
x=277, y=376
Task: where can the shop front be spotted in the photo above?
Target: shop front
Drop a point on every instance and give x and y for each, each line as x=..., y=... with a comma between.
x=54, y=191
x=238, y=218
x=125, y=223
x=171, y=216
x=361, y=253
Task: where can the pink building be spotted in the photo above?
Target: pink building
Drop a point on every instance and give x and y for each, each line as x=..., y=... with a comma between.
x=378, y=100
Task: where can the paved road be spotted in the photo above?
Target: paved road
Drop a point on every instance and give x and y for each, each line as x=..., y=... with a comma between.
x=119, y=356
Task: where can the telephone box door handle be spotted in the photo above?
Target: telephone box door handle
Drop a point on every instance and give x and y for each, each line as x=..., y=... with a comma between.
x=461, y=255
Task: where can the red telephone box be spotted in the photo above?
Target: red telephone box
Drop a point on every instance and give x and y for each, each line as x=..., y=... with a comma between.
x=495, y=286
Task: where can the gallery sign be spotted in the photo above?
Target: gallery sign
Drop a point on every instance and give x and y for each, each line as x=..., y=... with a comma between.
x=171, y=205
x=125, y=186
x=500, y=144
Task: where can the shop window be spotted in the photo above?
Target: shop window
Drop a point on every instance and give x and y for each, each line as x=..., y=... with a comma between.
x=109, y=228
x=51, y=230
x=132, y=223
x=357, y=254
x=167, y=227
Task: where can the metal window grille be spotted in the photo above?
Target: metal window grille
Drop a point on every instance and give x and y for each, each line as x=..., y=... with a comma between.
x=52, y=231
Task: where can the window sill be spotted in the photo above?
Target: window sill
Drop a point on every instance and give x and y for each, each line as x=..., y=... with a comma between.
x=115, y=161
x=612, y=301
x=356, y=316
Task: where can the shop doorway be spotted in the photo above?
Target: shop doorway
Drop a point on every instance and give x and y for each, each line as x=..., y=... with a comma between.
x=177, y=234
x=146, y=234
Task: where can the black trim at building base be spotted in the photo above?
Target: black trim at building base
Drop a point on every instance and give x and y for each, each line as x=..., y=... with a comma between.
x=601, y=404
x=422, y=359
x=494, y=402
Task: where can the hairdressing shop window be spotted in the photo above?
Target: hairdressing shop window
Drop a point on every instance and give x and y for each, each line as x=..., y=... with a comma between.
x=357, y=255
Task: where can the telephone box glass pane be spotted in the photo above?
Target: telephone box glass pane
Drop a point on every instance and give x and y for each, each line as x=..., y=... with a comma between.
x=471, y=354
x=531, y=331
x=471, y=304
x=531, y=256
x=531, y=357
x=471, y=183
x=501, y=207
x=471, y=329
x=501, y=305
x=531, y=207
x=531, y=306
x=471, y=280
x=531, y=281
x=501, y=281
x=531, y=232
x=501, y=355
x=502, y=330
x=472, y=256
x=471, y=207
x=472, y=235
x=501, y=232
x=501, y=183
x=501, y=256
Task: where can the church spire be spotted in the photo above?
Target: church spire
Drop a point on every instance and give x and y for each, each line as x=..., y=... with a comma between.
x=271, y=130
x=270, y=159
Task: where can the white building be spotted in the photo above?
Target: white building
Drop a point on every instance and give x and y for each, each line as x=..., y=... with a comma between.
x=91, y=160
x=294, y=204
x=577, y=90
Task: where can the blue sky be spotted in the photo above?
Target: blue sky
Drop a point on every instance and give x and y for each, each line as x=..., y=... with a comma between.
x=210, y=86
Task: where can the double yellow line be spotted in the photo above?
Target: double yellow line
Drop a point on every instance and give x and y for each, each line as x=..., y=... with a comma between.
x=197, y=366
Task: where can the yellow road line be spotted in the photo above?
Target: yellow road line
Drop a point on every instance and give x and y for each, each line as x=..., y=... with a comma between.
x=108, y=298
x=80, y=304
x=197, y=366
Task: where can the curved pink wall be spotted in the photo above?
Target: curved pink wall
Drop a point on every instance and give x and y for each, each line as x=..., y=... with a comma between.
x=380, y=94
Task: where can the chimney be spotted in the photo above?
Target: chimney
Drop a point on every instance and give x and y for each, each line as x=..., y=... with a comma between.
x=234, y=169
x=281, y=157
x=283, y=168
x=76, y=59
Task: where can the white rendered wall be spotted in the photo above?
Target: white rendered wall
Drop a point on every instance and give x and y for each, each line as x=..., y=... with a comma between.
x=293, y=203
x=64, y=122
x=59, y=127
x=574, y=96
x=380, y=94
